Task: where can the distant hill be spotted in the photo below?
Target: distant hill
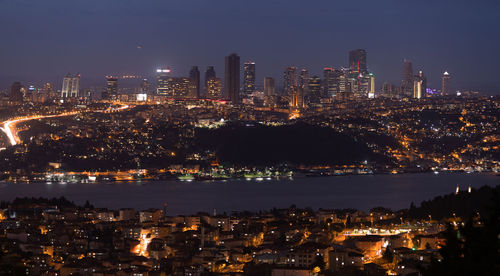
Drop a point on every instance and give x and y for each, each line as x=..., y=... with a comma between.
x=300, y=143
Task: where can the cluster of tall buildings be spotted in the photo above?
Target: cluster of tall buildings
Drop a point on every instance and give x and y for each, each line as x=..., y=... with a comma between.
x=300, y=89
x=337, y=83
x=190, y=87
x=415, y=85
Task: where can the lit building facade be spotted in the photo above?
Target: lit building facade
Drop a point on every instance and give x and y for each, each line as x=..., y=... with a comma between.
x=249, y=77
x=162, y=76
x=407, y=79
x=290, y=80
x=446, y=84
x=111, y=86
x=70, y=86
x=269, y=87
x=214, y=88
x=194, y=86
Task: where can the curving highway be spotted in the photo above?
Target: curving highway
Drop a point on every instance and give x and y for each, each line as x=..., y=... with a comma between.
x=9, y=127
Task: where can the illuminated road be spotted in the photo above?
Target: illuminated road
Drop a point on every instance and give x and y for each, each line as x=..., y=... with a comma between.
x=9, y=127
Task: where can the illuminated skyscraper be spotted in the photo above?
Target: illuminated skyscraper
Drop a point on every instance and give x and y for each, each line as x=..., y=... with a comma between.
x=214, y=88
x=357, y=62
x=331, y=79
x=269, y=88
x=209, y=74
x=446, y=84
x=407, y=79
x=371, y=87
x=314, y=96
x=249, y=77
x=290, y=80
x=176, y=88
x=232, y=78
x=194, y=87
x=304, y=85
x=162, y=76
x=71, y=86
x=111, y=86
x=145, y=86
x=419, y=85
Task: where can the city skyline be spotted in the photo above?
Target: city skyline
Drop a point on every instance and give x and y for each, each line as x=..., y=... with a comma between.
x=129, y=48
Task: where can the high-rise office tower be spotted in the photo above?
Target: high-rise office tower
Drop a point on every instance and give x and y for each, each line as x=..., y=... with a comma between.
x=209, y=74
x=290, y=80
x=419, y=85
x=331, y=78
x=162, y=76
x=407, y=79
x=314, y=96
x=294, y=97
x=194, y=86
x=304, y=83
x=304, y=78
x=176, y=88
x=269, y=88
x=446, y=84
x=371, y=87
x=357, y=62
x=17, y=92
x=232, y=78
x=71, y=86
x=145, y=86
x=417, y=89
x=249, y=77
x=387, y=90
x=214, y=88
x=111, y=86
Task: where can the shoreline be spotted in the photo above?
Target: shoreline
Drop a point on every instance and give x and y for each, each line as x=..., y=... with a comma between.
x=180, y=178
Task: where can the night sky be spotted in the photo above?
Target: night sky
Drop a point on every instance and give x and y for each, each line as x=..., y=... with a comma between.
x=42, y=40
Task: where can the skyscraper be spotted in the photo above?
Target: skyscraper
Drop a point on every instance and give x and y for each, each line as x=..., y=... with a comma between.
x=209, y=74
x=419, y=85
x=357, y=62
x=17, y=92
x=446, y=84
x=330, y=81
x=214, y=88
x=162, y=76
x=290, y=80
x=269, y=88
x=304, y=83
x=111, y=86
x=71, y=86
x=249, y=77
x=314, y=96
x=407, y=79
x=176, y=88
x=145, y=86
x=371, y=87
x=194, y=86
x=232, y=78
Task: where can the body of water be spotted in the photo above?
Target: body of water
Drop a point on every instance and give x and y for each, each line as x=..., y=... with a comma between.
x=360, y=192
